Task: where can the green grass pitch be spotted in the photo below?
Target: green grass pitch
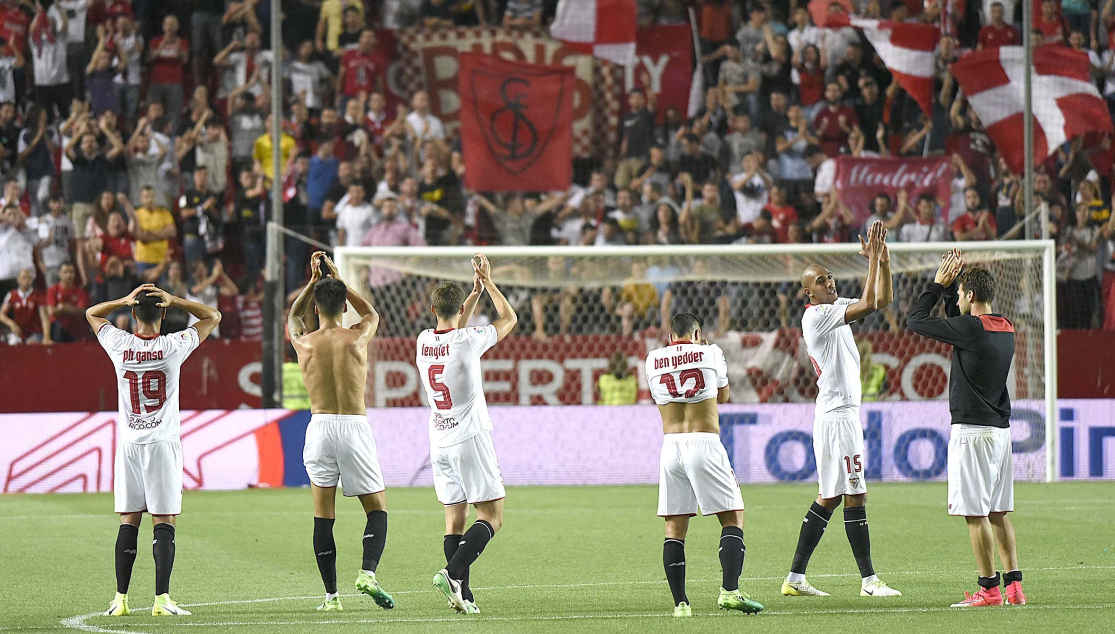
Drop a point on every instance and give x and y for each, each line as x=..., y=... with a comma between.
x=582, y=559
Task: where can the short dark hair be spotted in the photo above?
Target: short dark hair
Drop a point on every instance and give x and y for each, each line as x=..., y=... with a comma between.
x=926, y=196
x=330, y=295
x=683, y=324
x=813, y=150
x=147, y=309
x=979, y=281
x=448, y=298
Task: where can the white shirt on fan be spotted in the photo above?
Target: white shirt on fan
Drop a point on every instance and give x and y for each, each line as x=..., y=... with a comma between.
x=832, y=349
x=147, y=380
x=449, y=366
x=684, y=372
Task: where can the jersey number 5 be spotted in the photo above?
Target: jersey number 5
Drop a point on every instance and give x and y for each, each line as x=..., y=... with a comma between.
x=153, y=384
x=446, y=401
x=685, y=375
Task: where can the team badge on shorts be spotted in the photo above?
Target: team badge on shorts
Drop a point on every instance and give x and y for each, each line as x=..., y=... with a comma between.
x=853, y=482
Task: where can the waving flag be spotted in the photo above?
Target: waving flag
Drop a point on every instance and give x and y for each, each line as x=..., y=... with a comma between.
x=601, y=28
x=1066, y=103
x=905, y=48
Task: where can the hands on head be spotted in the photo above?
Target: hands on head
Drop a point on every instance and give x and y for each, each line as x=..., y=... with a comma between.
x=165, y=298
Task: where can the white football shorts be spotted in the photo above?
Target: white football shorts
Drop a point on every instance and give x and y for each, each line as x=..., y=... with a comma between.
x=340, y=448
x=695, y=472
x=981, y=471
x=467, y=471
x=841, y=459
x=148, y=477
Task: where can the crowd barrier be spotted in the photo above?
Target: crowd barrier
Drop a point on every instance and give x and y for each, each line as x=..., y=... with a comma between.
x=538, y=445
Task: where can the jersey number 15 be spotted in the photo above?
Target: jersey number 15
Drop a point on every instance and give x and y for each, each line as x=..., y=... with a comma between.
x=683, y=376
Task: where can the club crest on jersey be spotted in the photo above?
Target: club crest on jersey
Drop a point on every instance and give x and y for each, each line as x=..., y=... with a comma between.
x=853, y=482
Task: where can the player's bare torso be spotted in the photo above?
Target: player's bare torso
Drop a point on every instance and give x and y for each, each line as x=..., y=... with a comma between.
x=683, y=418
x=334, y=364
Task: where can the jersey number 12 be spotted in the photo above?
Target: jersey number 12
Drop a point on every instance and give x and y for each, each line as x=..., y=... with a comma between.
x=684, y=375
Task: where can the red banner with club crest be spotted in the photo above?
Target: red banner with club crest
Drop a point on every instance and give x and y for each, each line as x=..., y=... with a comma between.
x=516, y=124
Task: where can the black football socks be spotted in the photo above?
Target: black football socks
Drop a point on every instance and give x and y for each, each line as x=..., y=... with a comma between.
x=325, y=549
x=855, y=524
x=732, y=552
x=673, y=560
x=989, y=583
x=375, y=538
x=472, y=544
x=1011, y=577
x=812, y=529
x=450, y=545
x=127, y=544
x=163, y=550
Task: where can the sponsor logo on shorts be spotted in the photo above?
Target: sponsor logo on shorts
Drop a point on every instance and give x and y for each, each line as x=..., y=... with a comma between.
x=137, y=423
x=441, y=423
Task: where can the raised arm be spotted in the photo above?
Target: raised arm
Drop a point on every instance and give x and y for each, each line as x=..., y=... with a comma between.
x=97, y=316
x=884, y=284
x=945, y=330
x=471, y=300
x=296, y=326
x=369, y=318
x=872, y=248
x=507, y=317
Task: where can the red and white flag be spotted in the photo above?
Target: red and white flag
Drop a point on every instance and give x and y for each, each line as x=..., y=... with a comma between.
x=601, y=28
x=905, y=48
x=1065, y=104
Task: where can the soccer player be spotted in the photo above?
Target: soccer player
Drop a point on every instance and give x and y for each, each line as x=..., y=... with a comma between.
x=339, y=445
x=461, y=450
x=687, y=379
x=837, y=434
x=981, y=471
x=148, y=465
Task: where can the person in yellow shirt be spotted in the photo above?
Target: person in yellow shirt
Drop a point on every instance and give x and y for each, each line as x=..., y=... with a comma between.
x=636, y=298
x=618, y=386
x=152, y=227
x=262, y=156
x=872, y=376
x=331, y=23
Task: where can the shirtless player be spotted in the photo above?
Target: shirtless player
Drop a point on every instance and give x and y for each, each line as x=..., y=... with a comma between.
x=339, y=444
x=687, y=379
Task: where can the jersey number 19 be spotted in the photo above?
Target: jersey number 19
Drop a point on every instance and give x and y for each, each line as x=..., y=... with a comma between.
x=153, y=383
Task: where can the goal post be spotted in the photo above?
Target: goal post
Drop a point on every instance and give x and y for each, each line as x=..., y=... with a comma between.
x=579, y=305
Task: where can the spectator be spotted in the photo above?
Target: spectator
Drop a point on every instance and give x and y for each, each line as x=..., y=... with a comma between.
x=701, y=220
x=697, y=164
x=207, y=21
x=17, y=245
x=798, y=152
x=153, y=228
x=835, y=121
x=9, y=128
x=514, y=221
x=208, y=286
x=246, y=125
x=391, y=230
x=750, y=35
x=90, y=167
x=168, y=56
x=129, y=45
x=1079, y=301
x=618, y=386
x=881, y=212
x=212, y=155
x=244, y=62
x=928, y=227
x=739, y=80
x=309, y=78
x=440, y=193
x=100, y=83
x=638, y=135
x=421, y=124
x=355, y=216
x=1049, y=23
x=146, y=152
x=782, y=214
x=249, y=216
x=249, y=308
x=334, y=19
x=77, y=56
x=751, y=188
x=201, y=219
x=804, y=33
x=66, y=303
x=825, y=169
x=436, y=14
x=809, y=76
x=263, y=152
x=664, y=227
x=522, y=14
x=998, y=33
x=48, y=40
x=117, y=261
x=37, y=144
x=742, y=141
x=835, y=222
x=362, y=71
x=977, y=223
x=56, y=239
x=24, y=312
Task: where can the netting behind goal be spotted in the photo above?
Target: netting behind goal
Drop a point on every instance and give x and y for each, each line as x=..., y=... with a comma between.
x=580, y=307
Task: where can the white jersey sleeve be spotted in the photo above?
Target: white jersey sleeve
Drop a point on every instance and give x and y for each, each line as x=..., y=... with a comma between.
x=822, y=319
x=147, y=381
x=832, y=350
x=686, y=373
x=449, y=367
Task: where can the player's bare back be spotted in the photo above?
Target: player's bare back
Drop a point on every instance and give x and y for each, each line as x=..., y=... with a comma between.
x=334, y=365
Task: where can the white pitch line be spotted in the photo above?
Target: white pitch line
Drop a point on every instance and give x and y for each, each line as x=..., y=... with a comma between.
x=79, y=622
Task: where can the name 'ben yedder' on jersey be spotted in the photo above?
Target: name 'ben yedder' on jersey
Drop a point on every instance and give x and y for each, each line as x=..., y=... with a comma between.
x=449, y=365
x=685, y=372
x=832, y=350
x=147, y=380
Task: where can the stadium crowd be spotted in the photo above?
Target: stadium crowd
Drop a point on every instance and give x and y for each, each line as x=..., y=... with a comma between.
x=134, y=146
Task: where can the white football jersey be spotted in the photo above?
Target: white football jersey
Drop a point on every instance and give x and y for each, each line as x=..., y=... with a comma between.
x=449, y=364
x=832, y=349
x=147, y=373
x=684, y=372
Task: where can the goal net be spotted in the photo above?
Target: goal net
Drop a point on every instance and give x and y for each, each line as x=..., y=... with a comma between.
x=583, y=311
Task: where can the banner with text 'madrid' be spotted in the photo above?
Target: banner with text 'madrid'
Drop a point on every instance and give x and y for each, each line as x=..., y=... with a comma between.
x=860, y=180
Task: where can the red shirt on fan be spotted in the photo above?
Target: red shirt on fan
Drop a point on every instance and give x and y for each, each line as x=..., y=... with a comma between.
x=106, y=10
x=781, y=218
x=992, y=36
x=14, y=24
x=1052, y=31
x=970, y=221
x=167, y=67
x=361, y=70
x=56, y=295
x=25, y=311
x=121, y=246
x=830, y=132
